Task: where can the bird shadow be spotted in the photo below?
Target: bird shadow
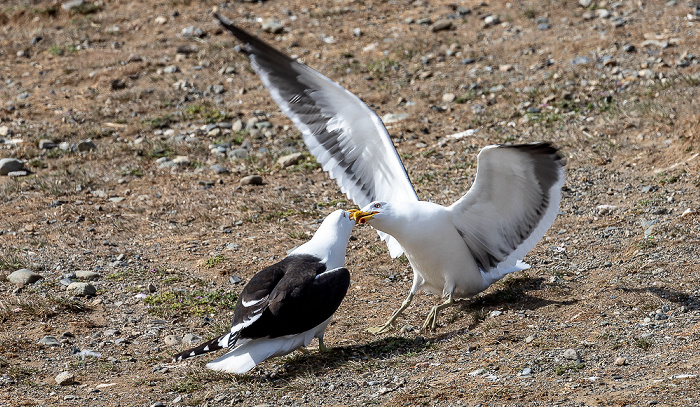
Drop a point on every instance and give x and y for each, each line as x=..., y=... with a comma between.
x=510, y=294
x=513, y=294
x=667, y=294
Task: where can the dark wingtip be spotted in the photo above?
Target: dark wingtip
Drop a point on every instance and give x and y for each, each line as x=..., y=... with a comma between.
x=540, y=148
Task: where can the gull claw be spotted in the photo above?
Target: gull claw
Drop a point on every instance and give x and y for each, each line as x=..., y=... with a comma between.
x=376, y=330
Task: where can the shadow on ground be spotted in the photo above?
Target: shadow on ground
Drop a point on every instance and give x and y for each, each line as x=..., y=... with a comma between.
x=511, y=295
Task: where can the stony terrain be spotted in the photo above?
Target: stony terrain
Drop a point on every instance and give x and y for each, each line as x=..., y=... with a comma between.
x=150, y=175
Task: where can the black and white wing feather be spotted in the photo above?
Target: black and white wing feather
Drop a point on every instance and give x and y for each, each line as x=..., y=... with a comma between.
x=512, y=203
x=347, y=138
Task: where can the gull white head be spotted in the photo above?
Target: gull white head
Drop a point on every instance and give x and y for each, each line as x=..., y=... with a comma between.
x=330, y=240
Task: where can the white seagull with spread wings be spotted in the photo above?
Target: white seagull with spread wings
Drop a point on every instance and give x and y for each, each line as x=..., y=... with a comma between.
x=456, y=251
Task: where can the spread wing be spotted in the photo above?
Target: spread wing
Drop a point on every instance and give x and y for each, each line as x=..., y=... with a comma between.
x=347, y=138
x=512, y=203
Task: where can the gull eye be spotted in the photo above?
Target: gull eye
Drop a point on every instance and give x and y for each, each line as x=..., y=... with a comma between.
x=377, y=205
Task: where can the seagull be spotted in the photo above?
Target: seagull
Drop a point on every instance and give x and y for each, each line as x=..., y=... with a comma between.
x=455, y=251
x=284, y=306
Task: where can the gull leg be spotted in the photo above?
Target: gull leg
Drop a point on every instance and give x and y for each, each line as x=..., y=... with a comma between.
x=389, y=325
x=431, y=321
x=321, y=346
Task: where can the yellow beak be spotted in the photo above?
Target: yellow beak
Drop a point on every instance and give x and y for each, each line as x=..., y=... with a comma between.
x=361, y=217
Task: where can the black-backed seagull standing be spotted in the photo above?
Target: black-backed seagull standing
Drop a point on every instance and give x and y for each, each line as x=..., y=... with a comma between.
x=455, y=251
x=284, y=306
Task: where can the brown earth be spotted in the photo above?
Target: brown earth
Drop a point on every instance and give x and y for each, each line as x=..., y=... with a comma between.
x=610, y=282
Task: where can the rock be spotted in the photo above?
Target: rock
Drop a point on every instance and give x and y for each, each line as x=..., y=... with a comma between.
x=448, y=97
x=87, y=275
x=4, y=131
x=65, y=378
x=272, y=26
x=193, y=31
x=441, y=25
x=23, y=95
x=646, y=73
x=219, y=169
x=491, y=20
x=505, y=68
x=688, y=212
x=526, y=372
x=252, y=180
x=81, y=289
x=234, y=279
x=290, y=159
x=580, y=61
x=86, y=145
x=181, y=160
x=151, y=288
x=160, y=20
x=602, y=13
x=170, y=69
x=190, y=339
x=585, y=3
x=134, y=58
x=69, y=5
x=620, y=361
x=529, y=338
x=394, y=117
x=112, y=332
x=172, y=340
x=8, y=165
x=45, y=144
x=571, y=354
x=23, y=277
x=49, y=341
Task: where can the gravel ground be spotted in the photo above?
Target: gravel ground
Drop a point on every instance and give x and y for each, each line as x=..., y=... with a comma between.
x=146, y=175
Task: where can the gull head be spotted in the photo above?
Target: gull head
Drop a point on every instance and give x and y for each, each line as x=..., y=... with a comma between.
x=374, y=210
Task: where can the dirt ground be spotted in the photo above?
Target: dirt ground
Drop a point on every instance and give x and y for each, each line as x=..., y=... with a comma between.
x=608, y=315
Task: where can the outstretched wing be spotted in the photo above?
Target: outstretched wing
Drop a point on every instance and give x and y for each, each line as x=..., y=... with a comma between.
x=347, y=138
x=512, y=203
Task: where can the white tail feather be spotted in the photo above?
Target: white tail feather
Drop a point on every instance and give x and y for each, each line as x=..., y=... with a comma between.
x=246, y=356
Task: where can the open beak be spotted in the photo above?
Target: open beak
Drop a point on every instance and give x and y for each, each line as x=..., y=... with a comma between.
x=361, y=217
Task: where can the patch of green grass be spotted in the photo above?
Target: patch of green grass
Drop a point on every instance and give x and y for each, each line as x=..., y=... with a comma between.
x=214, y=261
x=11, y=261
x=196, y=303
x=186, y=386
x=209, y=115
x=60, y=50
x=643, y=343
x=382, y=66
x=51, y=11
x=332, y=202
x=158, y=122
x=134, y=172
x=561, y=369
x=648, y=242
x=298, y=235
x=87, y=8
x=117, y=276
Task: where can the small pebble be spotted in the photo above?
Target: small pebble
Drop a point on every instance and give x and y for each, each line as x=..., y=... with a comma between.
x=80, y=289
x=49, y=341
x=23, y=277
x=620, y=361
x=65, y=379
x=571, y=354
x=289, y=160
x=252, y=180
x=172, y=340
